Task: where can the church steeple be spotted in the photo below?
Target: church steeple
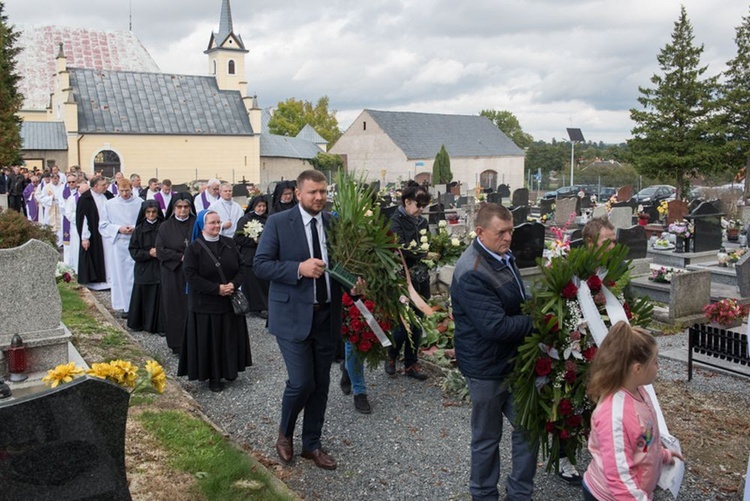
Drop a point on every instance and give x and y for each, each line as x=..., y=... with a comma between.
x=226, y=53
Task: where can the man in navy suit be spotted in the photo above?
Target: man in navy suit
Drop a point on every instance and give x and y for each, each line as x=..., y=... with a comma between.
x=304, y=312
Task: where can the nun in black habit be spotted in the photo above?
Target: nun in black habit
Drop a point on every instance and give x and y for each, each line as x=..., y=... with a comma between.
x=254, y=288
x=283, y=196
x=174, y=236
x=145, y=312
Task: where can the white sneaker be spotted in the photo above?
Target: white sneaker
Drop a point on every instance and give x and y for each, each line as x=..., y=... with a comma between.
x=568, y=472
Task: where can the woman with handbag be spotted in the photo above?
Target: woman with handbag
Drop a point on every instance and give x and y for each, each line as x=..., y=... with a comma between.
x=216, y=345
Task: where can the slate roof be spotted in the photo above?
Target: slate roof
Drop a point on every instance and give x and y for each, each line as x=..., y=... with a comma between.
x=274, y=145
x=83, y=48
x=127, y=102
x=308, y=133
x=420, y=135
x=43, y=136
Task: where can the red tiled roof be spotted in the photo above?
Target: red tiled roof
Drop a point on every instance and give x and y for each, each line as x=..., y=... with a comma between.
x=83, y=48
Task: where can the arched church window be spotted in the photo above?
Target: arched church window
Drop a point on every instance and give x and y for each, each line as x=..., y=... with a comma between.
x=107, y=162
x=231, y=67
x=488, y=179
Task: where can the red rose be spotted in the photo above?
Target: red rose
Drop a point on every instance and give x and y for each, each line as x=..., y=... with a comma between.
x=353, y=338
x=594, y=283
x=346, y=300
x=570, y=377
x=549, y=317
x=599, y=299
x=574, y=421
x=369, y=335
x=589, y=353
x=569, y=291
x=543, y=366
x=67, y=277
x=564, y=435
x=370, y=305
x=628, y=313
x=344, y=329
x=386, y=326
x=353, y=312
x=575, y=335
x=565, y=407
x=358, y=325
x=550, y=426
x=364, y=346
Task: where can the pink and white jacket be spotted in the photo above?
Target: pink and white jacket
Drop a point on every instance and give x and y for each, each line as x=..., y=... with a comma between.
x=625, y=447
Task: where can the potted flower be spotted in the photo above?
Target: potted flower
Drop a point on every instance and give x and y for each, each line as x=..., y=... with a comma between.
x=733, y=227
x=726, y=313
x=681, y=231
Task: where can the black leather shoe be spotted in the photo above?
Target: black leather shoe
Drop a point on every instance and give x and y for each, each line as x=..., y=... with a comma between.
x=263, y=314
x=346, y=383
x=215, y=386
x=390, y=366
x=361, y=404
x=124, y=314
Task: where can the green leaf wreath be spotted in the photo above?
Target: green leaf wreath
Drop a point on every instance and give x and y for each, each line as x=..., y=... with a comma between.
x=549, y=379
x=360, y=241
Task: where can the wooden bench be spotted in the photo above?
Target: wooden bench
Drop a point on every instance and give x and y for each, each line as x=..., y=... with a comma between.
x=715, y=343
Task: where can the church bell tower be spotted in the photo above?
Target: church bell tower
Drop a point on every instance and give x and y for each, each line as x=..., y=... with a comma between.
x=226, y=54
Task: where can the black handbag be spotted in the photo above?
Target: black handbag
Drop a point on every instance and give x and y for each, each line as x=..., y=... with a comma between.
x=240, y=305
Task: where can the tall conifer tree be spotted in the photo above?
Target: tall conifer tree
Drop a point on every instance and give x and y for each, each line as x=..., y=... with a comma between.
x=675, y=137
x=10, y=98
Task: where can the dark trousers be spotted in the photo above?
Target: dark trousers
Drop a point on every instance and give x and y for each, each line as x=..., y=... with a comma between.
x=587, y=496
x=308, y=366
x=411, y=348
x=15, y=202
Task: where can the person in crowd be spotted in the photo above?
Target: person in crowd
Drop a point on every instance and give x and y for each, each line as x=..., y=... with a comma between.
x=171, y=242
x=138, y=190
x=4, y=185
x=69, y=190
x=164, y=196
x=92, y=268
x=204, y=199
x=72, y=250
x=407, y=224
x=30, y=204
x=487, y=294
x=113, y=186
x=145, y=311
x=254, y=288
x=38, y=194
x=283, y=196
x=216, y=344
x=153, y=188
x=599, y=231
x=229, y=210
x=52, y=199
x=353, y=375
x=627, y=454
x=116, y=225
x=17, y=191
x=304, y=313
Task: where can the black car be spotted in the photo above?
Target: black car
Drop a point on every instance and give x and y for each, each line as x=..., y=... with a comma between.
x=606, y=193
x=654, y=194
x=570, y=191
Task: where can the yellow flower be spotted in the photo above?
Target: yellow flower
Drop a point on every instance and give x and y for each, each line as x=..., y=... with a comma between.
x=102, y=371
x=156, y=373
x=124, y=373
x=63, y=373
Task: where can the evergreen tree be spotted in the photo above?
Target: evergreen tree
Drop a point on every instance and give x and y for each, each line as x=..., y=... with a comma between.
x=508, y=123
x=674, y=137
x=736, y=104
x=10, y=98
x=292, y=115
x=441, y=168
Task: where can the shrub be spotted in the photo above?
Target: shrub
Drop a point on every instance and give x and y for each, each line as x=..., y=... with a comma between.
x=16, y=230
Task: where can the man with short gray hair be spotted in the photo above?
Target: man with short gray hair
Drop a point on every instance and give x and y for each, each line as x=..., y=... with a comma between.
x=229, y=211
x=210, y=195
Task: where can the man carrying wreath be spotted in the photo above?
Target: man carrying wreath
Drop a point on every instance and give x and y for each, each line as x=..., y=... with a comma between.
x=487, y=294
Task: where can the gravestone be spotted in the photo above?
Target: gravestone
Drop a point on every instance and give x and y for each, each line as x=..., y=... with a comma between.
x=545, y=205
x=436, y=213
x=689, y=293
x=179, y=188
x=503, y=190
x=65, y=443
x=387, y=212
x=621, y=217
x=576, y=234
x=520, y=197
x=495, y=198
x=742, y=268
x=527, y=244
x=676, y=211
x=707, y=227
x=625, y=193
x=634, y=238
x=448, y=199
x=30, y=304
x=462, y=201
x=599, y=211
x=585, y=202
x=520, y=214
x=694, y=204
x=564, y=208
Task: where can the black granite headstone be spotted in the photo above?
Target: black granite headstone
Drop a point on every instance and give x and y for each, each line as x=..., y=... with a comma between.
x=576, y=234
x=387, y=212
x=448, y=199
x=545, y=205
x=634, y=238
x=520, y=214
x=65, y=443
x=462, y=201
x=436, y=213
x=527, y=244
x=239, y=190
x=495, y=198
x=503, y=190
x=707, y=222
x=586, y=202
x=520, y=197
x=179, y=188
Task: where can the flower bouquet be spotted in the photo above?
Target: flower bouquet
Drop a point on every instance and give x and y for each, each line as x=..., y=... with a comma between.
x=121, y=372
x=253, y=229
x=734, y=257
x=549, y=378
x=679, y=229
x=63, y=272
x=664, y=275
x=663, y=209
x=726, y=313
x=441, y=248
x=354, y=328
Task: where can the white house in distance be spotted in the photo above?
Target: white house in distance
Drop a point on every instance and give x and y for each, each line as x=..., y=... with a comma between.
x=393, y=146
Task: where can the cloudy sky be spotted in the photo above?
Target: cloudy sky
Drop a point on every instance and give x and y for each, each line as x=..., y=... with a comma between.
x=553, y=63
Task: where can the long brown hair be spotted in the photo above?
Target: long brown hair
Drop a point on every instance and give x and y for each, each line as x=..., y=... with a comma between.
x=623, y=347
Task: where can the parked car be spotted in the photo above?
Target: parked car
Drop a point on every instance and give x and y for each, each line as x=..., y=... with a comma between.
x=654, y=194
x=570, y=191
x=606, y=193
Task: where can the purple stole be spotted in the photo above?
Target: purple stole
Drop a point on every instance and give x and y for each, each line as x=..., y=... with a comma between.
x=31, y=207
x=66, y=223
x=160, y=198
x=204, y=200
x=113, y=189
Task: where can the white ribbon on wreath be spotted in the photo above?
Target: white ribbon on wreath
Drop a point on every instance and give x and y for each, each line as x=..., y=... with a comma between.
x=671, y=475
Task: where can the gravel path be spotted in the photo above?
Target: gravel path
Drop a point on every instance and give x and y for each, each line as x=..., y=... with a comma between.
x=415, y=444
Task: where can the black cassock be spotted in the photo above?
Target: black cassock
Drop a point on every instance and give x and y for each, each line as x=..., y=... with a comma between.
x=91, y=268
x=173, y=238
x=145, y=313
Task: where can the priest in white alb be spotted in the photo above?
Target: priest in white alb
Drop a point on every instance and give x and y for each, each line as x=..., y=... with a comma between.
x=229, y=211
x=70, y=251
x=205, y=198
x=116, y=225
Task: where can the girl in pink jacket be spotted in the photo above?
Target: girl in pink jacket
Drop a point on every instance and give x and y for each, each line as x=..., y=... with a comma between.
x=624, y=441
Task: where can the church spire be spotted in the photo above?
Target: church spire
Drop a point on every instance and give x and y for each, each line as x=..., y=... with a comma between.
x=225, y=38
x=225, y=21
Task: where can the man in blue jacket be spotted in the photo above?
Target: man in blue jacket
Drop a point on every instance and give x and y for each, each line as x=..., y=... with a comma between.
x=487, y=294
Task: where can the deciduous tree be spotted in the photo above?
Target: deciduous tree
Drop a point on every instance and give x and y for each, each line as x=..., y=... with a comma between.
x=508, y=123
x=292, y=115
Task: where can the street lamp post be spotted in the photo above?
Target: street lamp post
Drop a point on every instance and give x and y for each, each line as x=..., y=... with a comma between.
x=575, y=136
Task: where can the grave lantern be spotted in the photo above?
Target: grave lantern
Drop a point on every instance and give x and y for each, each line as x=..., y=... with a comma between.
x=17, y=359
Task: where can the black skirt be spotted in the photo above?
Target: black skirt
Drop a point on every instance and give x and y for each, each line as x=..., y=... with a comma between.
x=145, y=313
x=215, y=346
x=255, y=289
x=175, y=304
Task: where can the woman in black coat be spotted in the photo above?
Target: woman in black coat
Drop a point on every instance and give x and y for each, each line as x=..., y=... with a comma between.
x=216, y=344
x=145, y=312
x=254, y=288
